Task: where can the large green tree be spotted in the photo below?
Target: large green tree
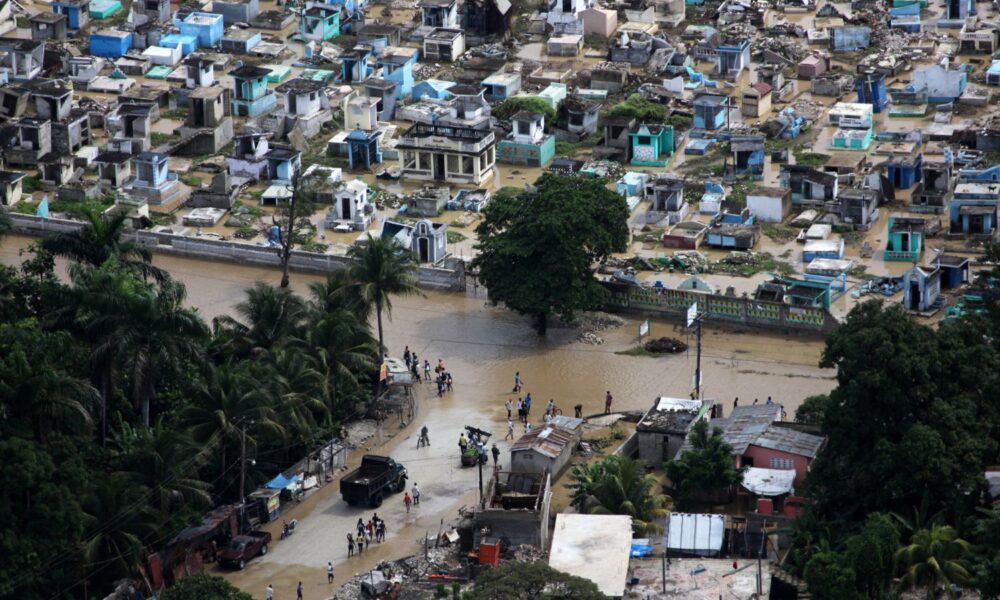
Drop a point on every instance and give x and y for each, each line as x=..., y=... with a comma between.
x=913, y=413
x=704, y=469
x=934, y=559
x=531, y=580
x=203, y=586
x=538, y=249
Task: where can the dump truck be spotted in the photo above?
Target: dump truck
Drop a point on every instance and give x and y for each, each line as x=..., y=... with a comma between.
x=373, y=480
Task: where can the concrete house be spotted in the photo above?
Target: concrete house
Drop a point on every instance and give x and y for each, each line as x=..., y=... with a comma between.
x=352, y=206
x=906, y=236
x=850, y=38
x=756, y=101
x=942, y=84
x=783, y=447
x=319, y=22
x=921, y=288
x=306, y=107
x=21, y=59
x=363, y=149
x=871, y=90
x=666, y=196
x=114, y=169
x=110, y=43
x=77, y=12
x=150, y=11
x=10, y=187
x=808, y=184
x=32, y=142
x=731, y=59
x=444, y=45
x=859, y=207
x=527, y=143
x=652, y=145
x=209, y=124
x=397, y=64
x=769, y=204
x=154, y=183
x=132, y=123
x=354, y=64
x=602, y=21
x=452, y=154
x=435, y=89
x=710, y=110
x=426, y=239
x=48, y=26
x=581, y=116
x=439, y=13
x=516, y=509
x=662, y=430
x=544, y=450
x=564, y=16
x=973, y=209
x=207, y=28
x=937, y=183
x=236, y=11
x=812, y=66
x=616, y=142
x=748, y=154
x=488, y=17
x=251, y=96
x=253, y=157
x=83, y=69
x=501, y=85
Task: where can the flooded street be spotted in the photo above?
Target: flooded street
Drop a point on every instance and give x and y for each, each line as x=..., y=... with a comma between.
x=483, y=347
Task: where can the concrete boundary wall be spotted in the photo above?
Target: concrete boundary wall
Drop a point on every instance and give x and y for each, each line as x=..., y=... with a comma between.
x=448, y=277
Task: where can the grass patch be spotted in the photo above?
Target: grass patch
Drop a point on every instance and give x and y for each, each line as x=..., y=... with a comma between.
x=246, y=232
x=858, y=272
x=810, y=159
x=324, y=160
x=455, y=237
x=566, y=149
x=25, y=208
x=596, y=41
x=157, y=139
x=191, y=180
x=680, y=122
x=251, y=209
x=457, y=223
x=314, y=246
x=179, y=114
x=82, y=207
x=779, y=233
x=759, y=262
x=30, y=184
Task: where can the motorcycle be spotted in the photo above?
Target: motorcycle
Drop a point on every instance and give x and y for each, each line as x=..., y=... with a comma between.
x=288, y=528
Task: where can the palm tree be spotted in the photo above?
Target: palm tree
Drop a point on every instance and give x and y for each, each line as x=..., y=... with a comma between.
x=163, y=463
x=269, y=315
x=223, y=405
x=99, y=240
x=293, y=378
x=338, y=293
x=620, y=486
x=153, y=329
x=340, y=347
x=119, y=521
x=43, y=395
x=934, y=559
x=382, y=270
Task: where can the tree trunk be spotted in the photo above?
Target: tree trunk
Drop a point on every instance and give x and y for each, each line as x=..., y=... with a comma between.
x=105, y=384
x=148, y=393
x=541, y=323
x=381, y=350
x=286, y=244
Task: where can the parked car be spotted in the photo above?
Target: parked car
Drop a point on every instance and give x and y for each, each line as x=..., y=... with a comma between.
x=242, y=548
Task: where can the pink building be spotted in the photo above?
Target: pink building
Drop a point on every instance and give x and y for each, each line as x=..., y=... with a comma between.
x=782, y=447
x=602, y=21
x=813, y=66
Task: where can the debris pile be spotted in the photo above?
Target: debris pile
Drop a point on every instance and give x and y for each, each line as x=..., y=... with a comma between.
x=665, y=345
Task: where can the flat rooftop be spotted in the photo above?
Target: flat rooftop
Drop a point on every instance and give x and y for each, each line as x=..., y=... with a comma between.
x=595, y=547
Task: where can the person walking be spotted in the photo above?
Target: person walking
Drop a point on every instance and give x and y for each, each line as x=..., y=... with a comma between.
x=329, y=572
x=608, y=398
x=427, y=370
x=298, y=591
x=415, y=371
x=359, y=543
x=496, y=454
x=527, y=407
x=424, y=439
x=463, y=443
x=517, y=382
x=380, y=531
x=407, y=357
x=350, y=545
x=415, y=492
x=509, y=405
x=736, y=401
x=520, y=410
x=510, y=430
x=407, y=501
x=550, y=407
x=360, y=527
x=269, y=592
x=448, y=381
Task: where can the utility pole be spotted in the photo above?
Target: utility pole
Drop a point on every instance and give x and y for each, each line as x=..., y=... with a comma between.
x=697, y=364
x=482, y=503
x=243, y=470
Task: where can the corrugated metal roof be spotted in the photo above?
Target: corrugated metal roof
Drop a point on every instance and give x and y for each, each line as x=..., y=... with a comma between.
x=792, y=441
x=548, y=441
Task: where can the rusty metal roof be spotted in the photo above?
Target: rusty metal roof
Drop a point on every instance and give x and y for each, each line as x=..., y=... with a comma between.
x=548, y=441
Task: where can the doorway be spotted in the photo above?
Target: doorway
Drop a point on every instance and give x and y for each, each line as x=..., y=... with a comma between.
x=439, y=167
x=423, y=249
x=345, y=209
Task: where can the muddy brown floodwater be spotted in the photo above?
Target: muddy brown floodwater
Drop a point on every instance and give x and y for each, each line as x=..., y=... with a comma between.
x=483, y=347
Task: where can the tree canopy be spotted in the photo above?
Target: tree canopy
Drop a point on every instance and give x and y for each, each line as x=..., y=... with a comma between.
x=619, y=486
x=530, y=580
x=538, y=249
x=511, y=106
x=203, y=586
x=708, y=466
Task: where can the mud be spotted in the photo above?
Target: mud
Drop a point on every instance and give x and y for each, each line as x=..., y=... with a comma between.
x=483, y=347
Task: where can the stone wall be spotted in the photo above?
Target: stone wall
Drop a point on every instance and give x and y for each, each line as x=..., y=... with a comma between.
x=718, y=309
x=450, y=276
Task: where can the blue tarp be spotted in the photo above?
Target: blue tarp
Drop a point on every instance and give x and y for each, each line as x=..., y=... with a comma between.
x=281, y=482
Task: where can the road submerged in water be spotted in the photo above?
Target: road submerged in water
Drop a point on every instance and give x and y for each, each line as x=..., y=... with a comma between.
x=482, y=347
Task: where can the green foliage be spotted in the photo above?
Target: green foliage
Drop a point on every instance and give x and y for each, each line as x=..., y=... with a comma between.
x=639, y=109
x=192, y=181
x=935, y=558
x=706, y=468
x=680, y=122
x=203, y=586
x=511, y=106
x=870, y=554
x=531, y=580
x=83, y=208
x=830, y=577
x=619, y=486
x=566, y=149
x=30, y=184
x=157, y=138
x=812, y=409
x=538, y=250
x=904, y=392
x=455, y=237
